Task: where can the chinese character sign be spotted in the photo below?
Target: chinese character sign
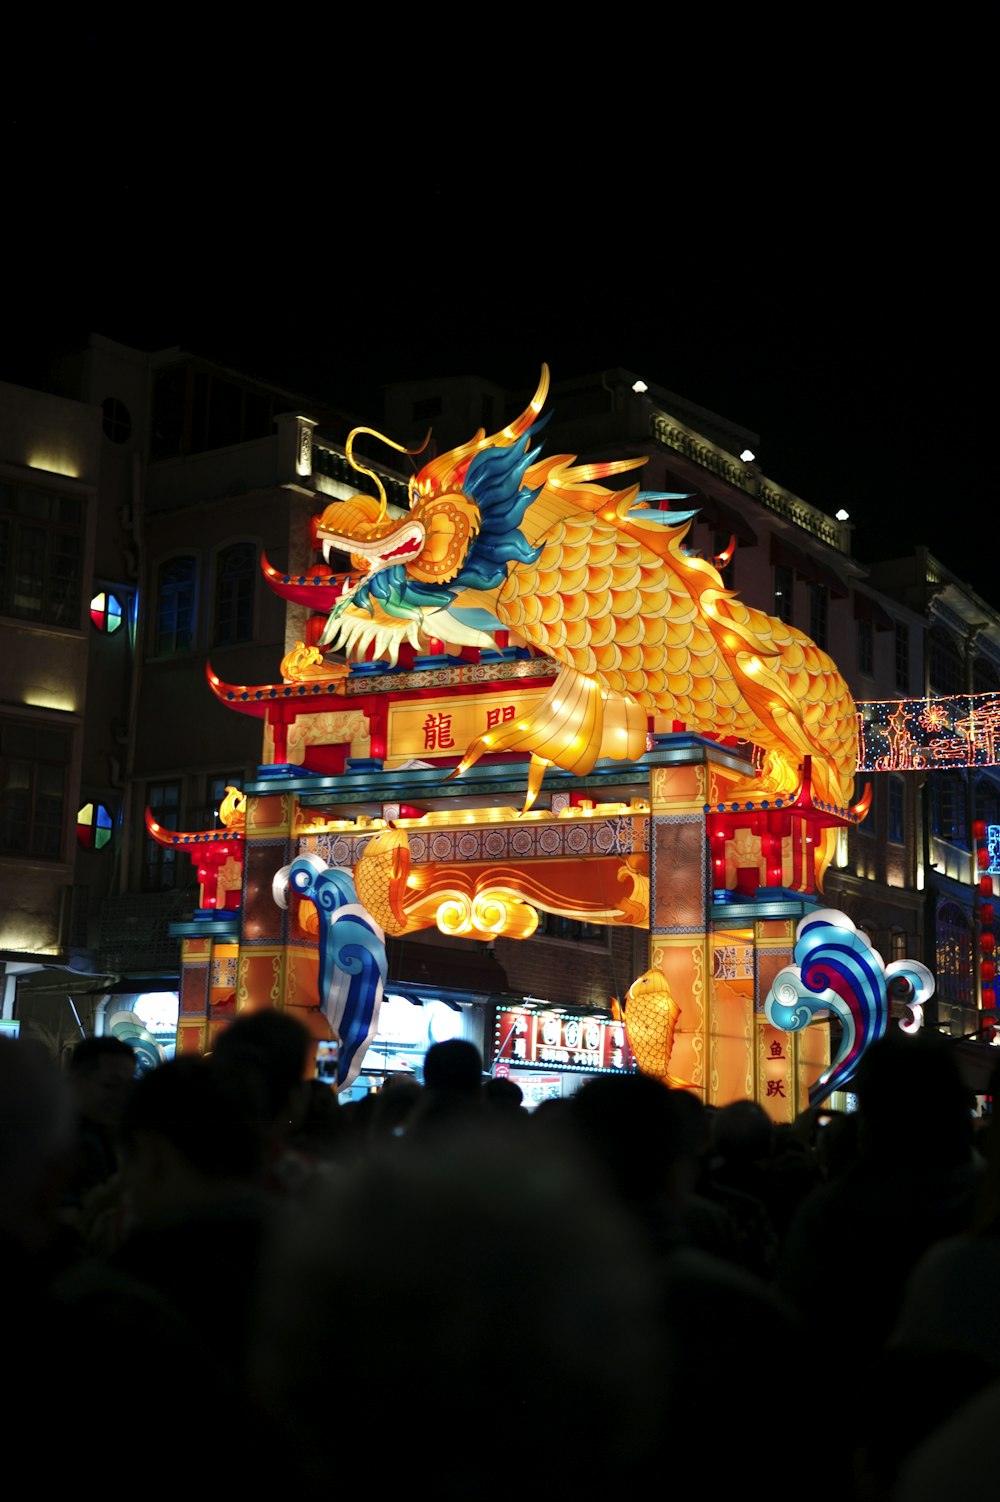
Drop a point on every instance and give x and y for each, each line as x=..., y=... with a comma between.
x=554, y=1039
x=424, y=729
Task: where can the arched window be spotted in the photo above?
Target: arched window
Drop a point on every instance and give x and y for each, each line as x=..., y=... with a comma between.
x=175, y=605
x=954, y=955
x=235, y=577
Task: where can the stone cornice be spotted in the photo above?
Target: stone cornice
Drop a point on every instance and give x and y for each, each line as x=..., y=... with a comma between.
x=674, y=435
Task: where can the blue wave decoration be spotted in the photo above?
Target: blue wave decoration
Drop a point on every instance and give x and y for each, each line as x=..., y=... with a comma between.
x=352, y=959
x=836, y=971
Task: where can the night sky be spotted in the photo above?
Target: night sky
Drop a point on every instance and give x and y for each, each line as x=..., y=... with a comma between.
x=827, y=287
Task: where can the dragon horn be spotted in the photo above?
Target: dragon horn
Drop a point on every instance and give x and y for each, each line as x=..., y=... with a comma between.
x=513, y=431
x=374, y=433
x=439, y=473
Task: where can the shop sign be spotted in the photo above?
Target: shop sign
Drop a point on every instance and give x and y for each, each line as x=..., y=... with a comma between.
x=562, y=1040
x=426, y=729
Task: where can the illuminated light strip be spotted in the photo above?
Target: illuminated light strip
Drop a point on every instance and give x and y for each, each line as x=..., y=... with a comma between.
x=900, y=735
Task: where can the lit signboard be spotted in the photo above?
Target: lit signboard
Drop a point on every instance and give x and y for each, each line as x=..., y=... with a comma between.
x=562, y=1040
x=426, y=729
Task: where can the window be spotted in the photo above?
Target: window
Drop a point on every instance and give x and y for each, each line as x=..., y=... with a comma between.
x=573, y=929
x=897, y=945
x=783, y=593
x=215, y=792
x=94, y=826
x=985, y=678
x=818, y=608
x=948, y=807
x=871, y=934
x=954, y=955
x=175, y=600
x=902, y=658
x=987, y=801
x=866, y=648
x=163, y=799
x=897, y=811
x=235, y=574
x=41, y=551
x=117, y=422
x=34, y=760
x=195, y=410
x=944, y=664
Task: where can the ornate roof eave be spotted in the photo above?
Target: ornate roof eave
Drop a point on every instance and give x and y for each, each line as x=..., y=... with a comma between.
x=179, y=839
x=801, y=803
x=318, y=696
x=320, y=589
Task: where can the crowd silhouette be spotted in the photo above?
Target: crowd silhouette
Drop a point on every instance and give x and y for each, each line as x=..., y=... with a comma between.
x=435, y=1285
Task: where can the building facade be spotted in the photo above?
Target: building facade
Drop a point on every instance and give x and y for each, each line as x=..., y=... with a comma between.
x=198, y=480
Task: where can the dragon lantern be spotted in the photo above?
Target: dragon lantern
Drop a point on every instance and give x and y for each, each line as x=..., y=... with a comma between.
x=499, y=538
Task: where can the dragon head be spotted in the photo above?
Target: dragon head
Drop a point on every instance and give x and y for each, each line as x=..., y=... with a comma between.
x=461, y=532
x=403, y=562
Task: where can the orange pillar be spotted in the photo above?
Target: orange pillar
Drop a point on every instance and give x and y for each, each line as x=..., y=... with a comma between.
x=278, y=963
x=678, y=909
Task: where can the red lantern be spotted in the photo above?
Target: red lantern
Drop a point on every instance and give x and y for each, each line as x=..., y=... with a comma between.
x=983, y=857
x=987, y=970
x=987, y=943
x=986, y=886
x=986, y=914
x=989, y=997
x=979, y=829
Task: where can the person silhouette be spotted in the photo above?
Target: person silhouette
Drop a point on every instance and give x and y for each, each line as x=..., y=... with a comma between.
x=913, y=1181
x=102, y=1073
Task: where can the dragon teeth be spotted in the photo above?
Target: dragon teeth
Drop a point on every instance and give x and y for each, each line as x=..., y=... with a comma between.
x=351, y=635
